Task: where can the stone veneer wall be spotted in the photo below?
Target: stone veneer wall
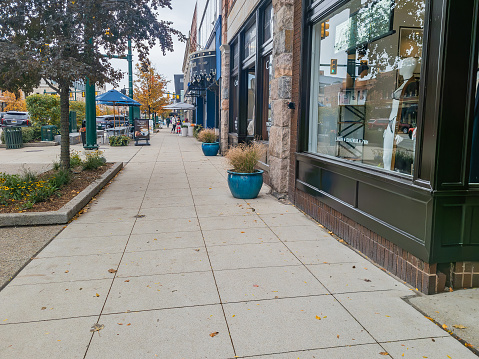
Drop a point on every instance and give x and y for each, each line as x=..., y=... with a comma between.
x=281, y=90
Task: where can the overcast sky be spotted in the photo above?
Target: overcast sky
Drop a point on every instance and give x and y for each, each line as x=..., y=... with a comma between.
x=170, y=64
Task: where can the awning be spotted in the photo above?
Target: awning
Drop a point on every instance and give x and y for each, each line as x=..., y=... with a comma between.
x=115, y=98
x=180, y=106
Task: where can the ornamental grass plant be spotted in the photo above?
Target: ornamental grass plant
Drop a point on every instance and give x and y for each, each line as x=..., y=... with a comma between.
x=208, y=135
x=244, y=157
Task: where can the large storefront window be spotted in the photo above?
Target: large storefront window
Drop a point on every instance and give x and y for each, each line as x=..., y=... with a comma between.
x=365, y=74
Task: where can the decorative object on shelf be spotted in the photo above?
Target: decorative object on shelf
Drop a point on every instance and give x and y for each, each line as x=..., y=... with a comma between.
x=210, y=146
x=244, y=180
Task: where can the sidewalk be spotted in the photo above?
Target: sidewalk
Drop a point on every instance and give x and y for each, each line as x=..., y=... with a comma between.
x=174, y=267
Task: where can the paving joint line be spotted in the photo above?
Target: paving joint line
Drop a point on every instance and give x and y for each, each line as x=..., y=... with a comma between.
x=212, y=270
x=305, y=350
x=124, y=251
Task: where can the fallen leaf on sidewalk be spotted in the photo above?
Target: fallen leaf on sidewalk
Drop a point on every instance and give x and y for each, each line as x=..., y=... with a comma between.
x=66, y=271
x=337, y=336
x=255, y=285
x=43, y=308
x=127, y=280
x=97, y=294
x=96, y=327
x=318, y=318
x=128, y=324
x=444, y=326
x=459, y=326
x=367, y=280
x=111, y=270
x=214, y=334
x=384, y=353
x=120, y=323
x=469, y=345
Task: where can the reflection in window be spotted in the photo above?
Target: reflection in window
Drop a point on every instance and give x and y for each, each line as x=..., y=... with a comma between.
x=234, y=104
x=251, y=85
x=365, y=83
x=235, y=56
x=268, y=23
x=266, y=98
x=474, y=172
x=250, y=41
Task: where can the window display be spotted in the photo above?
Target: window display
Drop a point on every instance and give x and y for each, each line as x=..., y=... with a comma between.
x=251, y=83
x=365, y=75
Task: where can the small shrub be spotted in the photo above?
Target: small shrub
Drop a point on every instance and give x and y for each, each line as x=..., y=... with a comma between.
x=75, y=159
x=197, y=130
x=244, y=157
x=60, y=178
x=120, y=140
x=208, y=135
x=93, y=160
x=184, y=126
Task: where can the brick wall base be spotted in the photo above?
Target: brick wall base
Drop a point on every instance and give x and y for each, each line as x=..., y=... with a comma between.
x=465, y=275
x=404, y=265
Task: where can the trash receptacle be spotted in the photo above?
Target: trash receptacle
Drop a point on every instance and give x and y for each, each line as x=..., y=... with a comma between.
x=48, y=132
x=13, y=137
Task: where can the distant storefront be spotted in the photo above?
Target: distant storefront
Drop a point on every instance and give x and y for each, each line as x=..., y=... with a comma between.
x=385, y=133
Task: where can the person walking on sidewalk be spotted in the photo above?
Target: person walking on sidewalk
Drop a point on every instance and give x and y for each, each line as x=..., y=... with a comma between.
x=168, y=121
x=173, y=128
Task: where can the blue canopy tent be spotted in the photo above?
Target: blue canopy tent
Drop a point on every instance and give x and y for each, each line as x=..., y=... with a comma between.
x=115, y=98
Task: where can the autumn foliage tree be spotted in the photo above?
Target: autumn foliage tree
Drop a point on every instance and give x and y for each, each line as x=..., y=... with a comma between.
x=150, y=88
x=64, y=41
x=14, y=103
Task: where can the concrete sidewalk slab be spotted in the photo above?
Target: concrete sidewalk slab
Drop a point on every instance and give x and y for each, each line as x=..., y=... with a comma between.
x=387, y=317
x=66, y=338
x=161, y=292
x=238, y=285
x=84, y=246
x=220, y=237
x=66, y=269
x=369, y=351
x=291, y=324
x=250, y=256
x=47, y=301
x=360, y=276
x=163, y=262
x=159, y=241
x=181, y=333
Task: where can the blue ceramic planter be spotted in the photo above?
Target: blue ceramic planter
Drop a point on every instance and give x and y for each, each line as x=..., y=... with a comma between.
x=210, y=149
x=245, y=185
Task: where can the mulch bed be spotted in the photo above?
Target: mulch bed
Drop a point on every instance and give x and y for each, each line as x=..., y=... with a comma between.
x=79, y=181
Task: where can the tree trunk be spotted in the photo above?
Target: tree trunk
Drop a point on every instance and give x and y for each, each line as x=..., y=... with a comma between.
x=64, y=127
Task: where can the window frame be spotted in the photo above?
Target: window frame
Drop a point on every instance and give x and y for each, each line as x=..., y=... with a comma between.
x=316, y=12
